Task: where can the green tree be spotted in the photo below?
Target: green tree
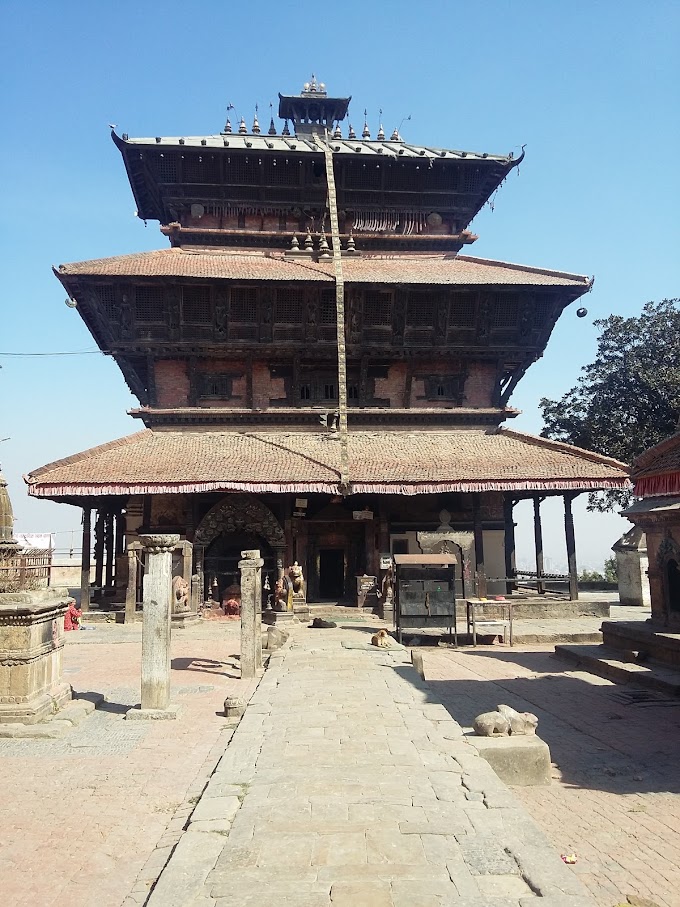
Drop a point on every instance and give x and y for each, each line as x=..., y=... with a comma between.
x=611, y=569
x=628, y=399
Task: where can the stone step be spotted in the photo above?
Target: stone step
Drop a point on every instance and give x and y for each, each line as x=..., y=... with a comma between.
x=609, y=663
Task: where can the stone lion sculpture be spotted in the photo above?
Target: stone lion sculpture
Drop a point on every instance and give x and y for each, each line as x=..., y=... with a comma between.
x=504, y=722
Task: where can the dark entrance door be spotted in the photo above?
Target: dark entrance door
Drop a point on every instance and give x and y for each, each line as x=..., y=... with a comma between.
x=331, y=573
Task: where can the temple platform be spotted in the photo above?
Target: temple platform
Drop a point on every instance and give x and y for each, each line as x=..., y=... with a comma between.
x=611, y=663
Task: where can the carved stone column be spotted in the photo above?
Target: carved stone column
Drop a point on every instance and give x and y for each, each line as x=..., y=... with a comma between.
x=131, y=591
x=251, y=612
x=157, y=603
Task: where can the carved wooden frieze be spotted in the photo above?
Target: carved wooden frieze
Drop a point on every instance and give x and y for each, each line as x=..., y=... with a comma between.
x=240, y=513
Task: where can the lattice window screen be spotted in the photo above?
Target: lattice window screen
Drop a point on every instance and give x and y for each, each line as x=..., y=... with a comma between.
x=107, y=300
x=505, y=313
x=243, y=170
x=420, y=312
x=362, y=176
x=165, y=166
x=280, y=172
x=377, y=309
x=543, y=309
x=472, y=178
x=327, y=308
x=216, y=386
x=243, y=305
x=462, y=310
x=201, y=168
x=196, y=308
x=149, y=307
x=289, y=307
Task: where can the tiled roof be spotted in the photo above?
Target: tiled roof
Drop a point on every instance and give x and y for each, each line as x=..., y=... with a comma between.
x=657, y=470
x=286, y=144
x=387, y=462
x=413, y=268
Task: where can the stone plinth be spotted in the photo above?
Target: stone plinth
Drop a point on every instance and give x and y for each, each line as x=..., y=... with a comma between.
x=520, y=760
x=31, y=644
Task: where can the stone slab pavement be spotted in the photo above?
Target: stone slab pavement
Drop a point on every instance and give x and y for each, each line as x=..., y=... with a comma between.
x=347, y=784
x=615, y=796
x=89, y=820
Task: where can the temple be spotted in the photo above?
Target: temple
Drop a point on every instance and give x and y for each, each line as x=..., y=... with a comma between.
x=321, y=373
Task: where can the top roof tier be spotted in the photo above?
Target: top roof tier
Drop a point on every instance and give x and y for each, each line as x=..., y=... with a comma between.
x=212, y=189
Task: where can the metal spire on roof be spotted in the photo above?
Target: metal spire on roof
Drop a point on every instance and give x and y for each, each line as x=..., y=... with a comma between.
x=272, y=127
x=242, y=128
x=366, y=134
x=351, y=134
x=337, y=134
x=381, y=133
x=286, y=130
x=227, y=126
x=256, y=123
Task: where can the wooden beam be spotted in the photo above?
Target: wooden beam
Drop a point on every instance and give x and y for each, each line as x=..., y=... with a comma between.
x=538, y=543
x=85, y=562
x=571, y=546
x=480, y=568
x=509, y=544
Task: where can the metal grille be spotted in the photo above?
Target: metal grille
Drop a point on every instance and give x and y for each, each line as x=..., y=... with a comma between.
x=242, y=170
x=505, y=312
x=196, y=308
x=378, y=309
x=420, y=312
x=149, y=308
x=165, y=167
x=289, y=307
x=200, y=168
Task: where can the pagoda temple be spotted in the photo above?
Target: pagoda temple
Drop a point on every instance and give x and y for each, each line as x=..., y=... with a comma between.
x=321, y=373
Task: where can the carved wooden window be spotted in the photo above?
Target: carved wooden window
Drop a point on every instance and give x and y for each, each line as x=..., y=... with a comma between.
x=243, y=313
x=378, y=309
x=242, y=170
x=216, y=386
x=327, y=309
x=165, y=167
x=107, y=300
x=362, y=175
x=462, y=308
x=322, y=388
x=149, y=307
x=196, y=307
x=505, y=312
x=444, y=387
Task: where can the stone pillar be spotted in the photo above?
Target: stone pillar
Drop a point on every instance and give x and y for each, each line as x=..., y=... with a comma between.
x=251, y=612
x=110, y=541
x=571, y=547
x=157, y=604
x=538, y=544
x=85, y=563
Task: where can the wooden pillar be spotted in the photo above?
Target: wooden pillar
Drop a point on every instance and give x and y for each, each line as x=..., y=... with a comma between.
x=119, y=552
x=538, y=544
x=479, y=545
x=131, y=591
x=85, y=560
x=109, y=537
x=509, y=545
x=99, y=550
x=571, y=546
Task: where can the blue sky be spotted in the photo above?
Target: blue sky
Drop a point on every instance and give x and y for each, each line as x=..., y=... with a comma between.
x=590, y=87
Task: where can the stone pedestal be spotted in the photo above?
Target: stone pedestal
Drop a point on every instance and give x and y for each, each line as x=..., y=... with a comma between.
x=157, y=604
x=31, y=644
x=522, y=761
x=251, y=612
x=632, y=563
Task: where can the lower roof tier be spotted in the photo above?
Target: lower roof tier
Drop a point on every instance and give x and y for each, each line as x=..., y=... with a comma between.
x=394, y=462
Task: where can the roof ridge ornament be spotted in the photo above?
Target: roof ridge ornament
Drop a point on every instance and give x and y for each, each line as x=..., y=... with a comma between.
x=256, y=123
x=242, y=128
x=366, y=134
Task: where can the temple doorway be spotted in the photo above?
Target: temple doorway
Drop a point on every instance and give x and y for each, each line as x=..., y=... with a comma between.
x=331, y=573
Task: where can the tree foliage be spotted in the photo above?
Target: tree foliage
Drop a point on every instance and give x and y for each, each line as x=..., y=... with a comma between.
x=628, y=399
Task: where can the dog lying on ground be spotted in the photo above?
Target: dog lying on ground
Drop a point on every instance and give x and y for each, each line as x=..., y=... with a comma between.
x=380, y=639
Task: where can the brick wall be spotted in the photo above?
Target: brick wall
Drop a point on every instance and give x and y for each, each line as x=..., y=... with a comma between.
x=172, y=383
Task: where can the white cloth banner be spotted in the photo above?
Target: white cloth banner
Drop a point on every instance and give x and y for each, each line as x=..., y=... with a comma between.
x=42, y=540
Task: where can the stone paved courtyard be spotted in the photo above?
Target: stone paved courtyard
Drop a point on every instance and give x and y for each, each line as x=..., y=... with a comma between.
x=347, y=783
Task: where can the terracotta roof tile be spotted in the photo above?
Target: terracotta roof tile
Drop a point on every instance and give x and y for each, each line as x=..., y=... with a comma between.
x=390, y=462
x=414, y=268
x=657, y=470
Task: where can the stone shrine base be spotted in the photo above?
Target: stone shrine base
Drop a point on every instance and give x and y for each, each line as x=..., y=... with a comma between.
x=69, y=716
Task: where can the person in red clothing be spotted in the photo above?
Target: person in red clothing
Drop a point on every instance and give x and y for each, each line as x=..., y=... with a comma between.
x=72, y=617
